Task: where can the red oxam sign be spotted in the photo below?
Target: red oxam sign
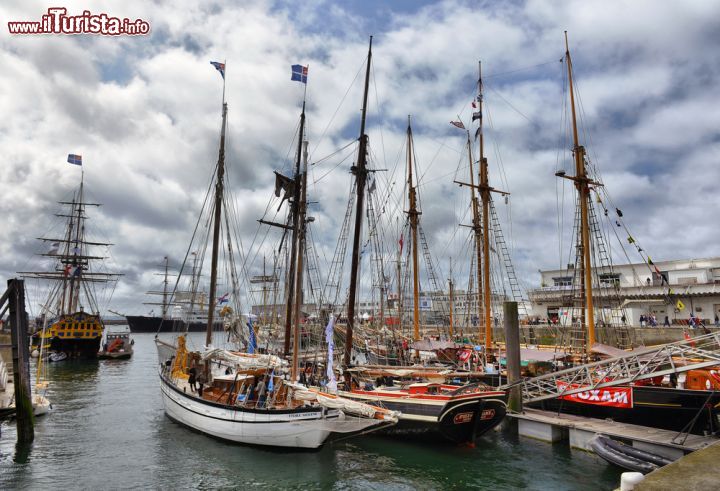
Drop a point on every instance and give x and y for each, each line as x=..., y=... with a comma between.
x=607, y=396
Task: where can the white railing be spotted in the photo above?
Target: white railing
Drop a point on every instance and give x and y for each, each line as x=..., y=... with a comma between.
x=682, y=356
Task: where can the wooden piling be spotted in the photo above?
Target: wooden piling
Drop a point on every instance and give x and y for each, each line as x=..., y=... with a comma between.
x=21, y=362
x=512, y=353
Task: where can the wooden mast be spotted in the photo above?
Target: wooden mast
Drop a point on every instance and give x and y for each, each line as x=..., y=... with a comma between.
x=165, y=288
x=482, y=231
x=293, y=252
x=413, y=214
x=582, y=185
x=300, y=254
x=216, y=225
x=478, y=233
x=451, y=298
x=485, y=196
x=360, y=171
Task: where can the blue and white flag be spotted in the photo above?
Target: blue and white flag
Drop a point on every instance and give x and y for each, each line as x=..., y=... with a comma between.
x=75, y=159
x=329, y=339
x=252, y=343
x=299, y=73
x=220, y=67
x=223, y=299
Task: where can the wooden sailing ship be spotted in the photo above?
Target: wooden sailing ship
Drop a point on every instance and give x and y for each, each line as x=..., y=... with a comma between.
x=457, y=413
x=243, y=396
x=70, y=325
x=654, y=402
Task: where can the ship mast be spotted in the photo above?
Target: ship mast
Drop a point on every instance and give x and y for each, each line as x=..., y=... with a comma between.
x=485, y=196
x=165, y=289
x=582, y=183
x=302, y=211
x=294, y=247
x=482, y=230
x=216, y=224
x=360, y=171
x=413, y=214
x=477, y=231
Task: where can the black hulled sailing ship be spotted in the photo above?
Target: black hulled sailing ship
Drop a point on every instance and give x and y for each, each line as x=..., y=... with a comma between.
x=430, y=411
x=651, y=402
x=70, y=324
x=180, y=310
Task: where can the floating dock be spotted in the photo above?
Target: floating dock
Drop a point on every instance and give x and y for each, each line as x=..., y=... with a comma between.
x=552, y=427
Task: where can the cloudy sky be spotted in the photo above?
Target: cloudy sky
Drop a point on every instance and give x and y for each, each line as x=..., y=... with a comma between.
x=144, y=112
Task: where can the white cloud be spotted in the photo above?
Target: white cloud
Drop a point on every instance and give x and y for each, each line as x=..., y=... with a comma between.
x=144, y=112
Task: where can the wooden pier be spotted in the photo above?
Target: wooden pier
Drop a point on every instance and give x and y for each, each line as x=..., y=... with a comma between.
x=552, y=427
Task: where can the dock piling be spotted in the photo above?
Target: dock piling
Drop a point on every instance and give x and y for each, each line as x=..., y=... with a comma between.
x=512, y=353
x=21, y=361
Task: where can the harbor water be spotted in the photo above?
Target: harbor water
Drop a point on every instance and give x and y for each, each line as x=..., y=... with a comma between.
x=107, y=430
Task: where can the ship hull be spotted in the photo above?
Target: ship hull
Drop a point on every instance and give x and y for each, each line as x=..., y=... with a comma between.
x=658, y=407
x=141, y=323
x=460, y=419
x=292, y=428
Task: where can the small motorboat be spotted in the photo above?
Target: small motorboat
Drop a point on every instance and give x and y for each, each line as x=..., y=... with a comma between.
x=117, y=346
x=57, y=356
x=626, y=456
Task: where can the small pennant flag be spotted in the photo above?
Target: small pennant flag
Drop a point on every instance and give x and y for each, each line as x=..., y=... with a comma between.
x=477, y=115
x=220, y=67
x=75, y=159
x=473, y=104
x=299, y=73
x=458, y=124
x=680, y=305
x=401, y=243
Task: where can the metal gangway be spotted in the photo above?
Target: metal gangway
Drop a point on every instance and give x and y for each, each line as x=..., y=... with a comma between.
x=644, y=363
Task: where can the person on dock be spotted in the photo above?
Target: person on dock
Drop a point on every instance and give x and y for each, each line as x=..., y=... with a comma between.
x=667, y=321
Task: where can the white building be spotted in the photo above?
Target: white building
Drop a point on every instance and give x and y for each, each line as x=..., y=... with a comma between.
x=666, y=288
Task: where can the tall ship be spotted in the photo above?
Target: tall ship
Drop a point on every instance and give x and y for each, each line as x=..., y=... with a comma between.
x=236, y=393
x=593, y=327
x=179, y=310
x=70, y=325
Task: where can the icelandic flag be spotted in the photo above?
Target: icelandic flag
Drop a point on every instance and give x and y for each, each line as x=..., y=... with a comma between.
x=223, y=299
x=75, y=159
x=220, y=67
x=299, y=73
x=252, y=344
x=329, y=339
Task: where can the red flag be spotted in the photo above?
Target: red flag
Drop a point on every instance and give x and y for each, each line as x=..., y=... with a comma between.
x=401, y=243
x=473, y=104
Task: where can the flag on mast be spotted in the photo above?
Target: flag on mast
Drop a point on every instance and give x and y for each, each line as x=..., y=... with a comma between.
x=75, y=159
x=299, y=73
x=458, y=124
x=220, y=67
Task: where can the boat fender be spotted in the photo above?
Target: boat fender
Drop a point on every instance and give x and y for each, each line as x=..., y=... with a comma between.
x=628, y=480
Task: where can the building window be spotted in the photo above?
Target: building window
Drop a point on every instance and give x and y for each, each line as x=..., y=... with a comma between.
x=563, y=281
x=610, y=279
